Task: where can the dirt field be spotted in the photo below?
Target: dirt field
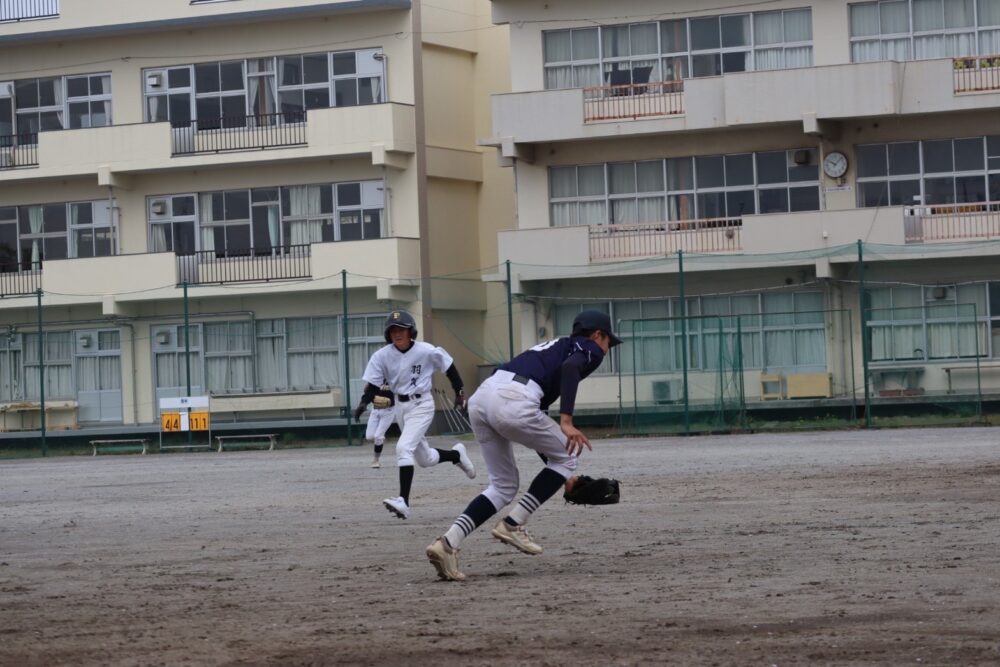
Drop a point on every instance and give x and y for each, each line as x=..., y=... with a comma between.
x=835, y=548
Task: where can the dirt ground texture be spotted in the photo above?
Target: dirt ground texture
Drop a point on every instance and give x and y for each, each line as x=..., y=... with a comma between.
x=848, y=548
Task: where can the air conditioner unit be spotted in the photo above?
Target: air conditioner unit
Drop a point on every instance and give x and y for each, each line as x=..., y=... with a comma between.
x=667, y=391
x=158, y=207
x=939, y=292
x=801, y=156
x=154, y=80
x=163, y=338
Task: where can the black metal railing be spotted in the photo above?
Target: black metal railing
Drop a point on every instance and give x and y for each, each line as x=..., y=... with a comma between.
x=20, y=10
x=18, y=150
x=19, y=283
x=209, y=267
x=238, y=133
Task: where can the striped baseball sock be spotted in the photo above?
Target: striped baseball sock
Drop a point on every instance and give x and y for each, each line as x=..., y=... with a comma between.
x=476, y=514
x=543, y=487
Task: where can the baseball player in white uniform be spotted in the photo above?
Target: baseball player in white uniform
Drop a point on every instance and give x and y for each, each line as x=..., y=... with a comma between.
x=407, y=366
x=383, y=414
x=511, y=406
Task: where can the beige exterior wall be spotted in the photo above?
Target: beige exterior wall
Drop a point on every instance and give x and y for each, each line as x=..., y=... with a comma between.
x=467, y=195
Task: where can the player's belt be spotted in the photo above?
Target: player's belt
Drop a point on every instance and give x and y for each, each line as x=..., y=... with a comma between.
x=522, y=379
x=404, y=398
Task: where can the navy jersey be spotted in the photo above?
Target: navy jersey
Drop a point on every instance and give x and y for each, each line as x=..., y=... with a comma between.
x=546, y=362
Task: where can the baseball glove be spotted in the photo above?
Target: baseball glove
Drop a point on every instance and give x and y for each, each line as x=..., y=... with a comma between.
x=590, y=491
x=382, y=402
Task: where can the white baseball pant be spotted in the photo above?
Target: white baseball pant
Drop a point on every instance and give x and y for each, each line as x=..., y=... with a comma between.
x=503, y=412
x=414, y=418
x=378, y=423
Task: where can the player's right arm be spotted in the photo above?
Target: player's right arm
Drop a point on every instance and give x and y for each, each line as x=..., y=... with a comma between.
x=573, y=370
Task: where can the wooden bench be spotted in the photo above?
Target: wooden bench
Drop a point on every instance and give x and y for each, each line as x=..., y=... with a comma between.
x=255, y=439
x=122, y=443
x=965, y=367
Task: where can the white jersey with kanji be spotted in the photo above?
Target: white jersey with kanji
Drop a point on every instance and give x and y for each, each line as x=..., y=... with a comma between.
x=407, y=372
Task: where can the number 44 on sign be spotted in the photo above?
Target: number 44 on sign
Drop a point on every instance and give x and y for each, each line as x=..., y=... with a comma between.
x=184, y=413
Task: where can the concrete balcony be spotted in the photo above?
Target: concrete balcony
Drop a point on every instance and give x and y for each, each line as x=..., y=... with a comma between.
x=807, y=96
x=817, y=238
x=22, y=20
x=386, y=132
x=120, y=282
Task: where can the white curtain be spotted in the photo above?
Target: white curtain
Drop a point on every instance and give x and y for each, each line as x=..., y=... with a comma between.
x=159, y=235
x=643, y=37
x=615, y=40
x=778, y=349
x=35, y=223
x=864, y=20
x=765, y=59
x=959, y=14
x=621, y=178
x=650, y=209
x=798, y=56
x=927, y=15
x=564, y=214
x=810, y=347
x=989, y=12
x=798, y=25
x=305, y=205
x=590, y=180
x=767, y=28
x=866, y=52
x=558, y=77
x=623, y=211
x=894, y=17
x=558, y=46
x=592, y=213
x=586, y=75
x=896, y=49
x=881, y=342
x=989, y=42
x=562, y=182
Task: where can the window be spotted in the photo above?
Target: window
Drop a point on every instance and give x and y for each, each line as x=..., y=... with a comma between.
x=58, y=351
x=313, y=352
x=170, y=362
x=11, y=369
x=88, y=100
x=920, y=29
x=224, y=94
x=172, y=224
x=948, y=171
x=20, y=11
x=61, y=102
x=784, y=330
x=229, y=357
x=677, y=49
x=264, y=220
x=90, y=229
x=30, y=235
x=689, y=188
x=923, y=323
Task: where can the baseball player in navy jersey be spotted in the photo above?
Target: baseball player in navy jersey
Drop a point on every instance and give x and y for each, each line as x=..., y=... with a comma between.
x=407, y=366
x=382, y=400
x=510, y=406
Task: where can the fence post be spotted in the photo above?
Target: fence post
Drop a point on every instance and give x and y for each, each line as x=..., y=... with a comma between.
x=738, y=368
x=187, y=357
x=684, y=340
x=864, y=333
x=41, y=374
x=347, y=362
x=510, y=317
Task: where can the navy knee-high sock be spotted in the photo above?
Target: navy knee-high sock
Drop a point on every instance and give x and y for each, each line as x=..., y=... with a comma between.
x=543, y=487
x=476, y=514
x=405, y=482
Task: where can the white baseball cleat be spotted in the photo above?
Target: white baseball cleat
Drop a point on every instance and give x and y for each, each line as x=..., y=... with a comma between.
x=445, y=560
x=464, y=462
x=397, y=506
x=376, y=464
x=517, y=537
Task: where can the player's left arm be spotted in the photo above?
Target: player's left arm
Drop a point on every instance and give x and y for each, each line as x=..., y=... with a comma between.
x=575, y=368
x=444, y=362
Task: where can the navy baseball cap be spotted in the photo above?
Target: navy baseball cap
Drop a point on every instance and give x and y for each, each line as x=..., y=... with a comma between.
x=591, y=320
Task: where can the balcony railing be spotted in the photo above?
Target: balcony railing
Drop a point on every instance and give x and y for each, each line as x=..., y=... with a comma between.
x=952, y=222
x=239, y=133
x=977, y=74
x=210, y=267
x=665, y=238
x=18, y=150
x=633, y=101
x=20, y=283
x=21, y=10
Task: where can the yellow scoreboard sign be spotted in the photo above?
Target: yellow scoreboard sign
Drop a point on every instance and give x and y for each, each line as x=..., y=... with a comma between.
x=182, y=421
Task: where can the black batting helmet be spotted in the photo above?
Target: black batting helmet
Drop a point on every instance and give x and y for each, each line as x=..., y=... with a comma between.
x=402, y=319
